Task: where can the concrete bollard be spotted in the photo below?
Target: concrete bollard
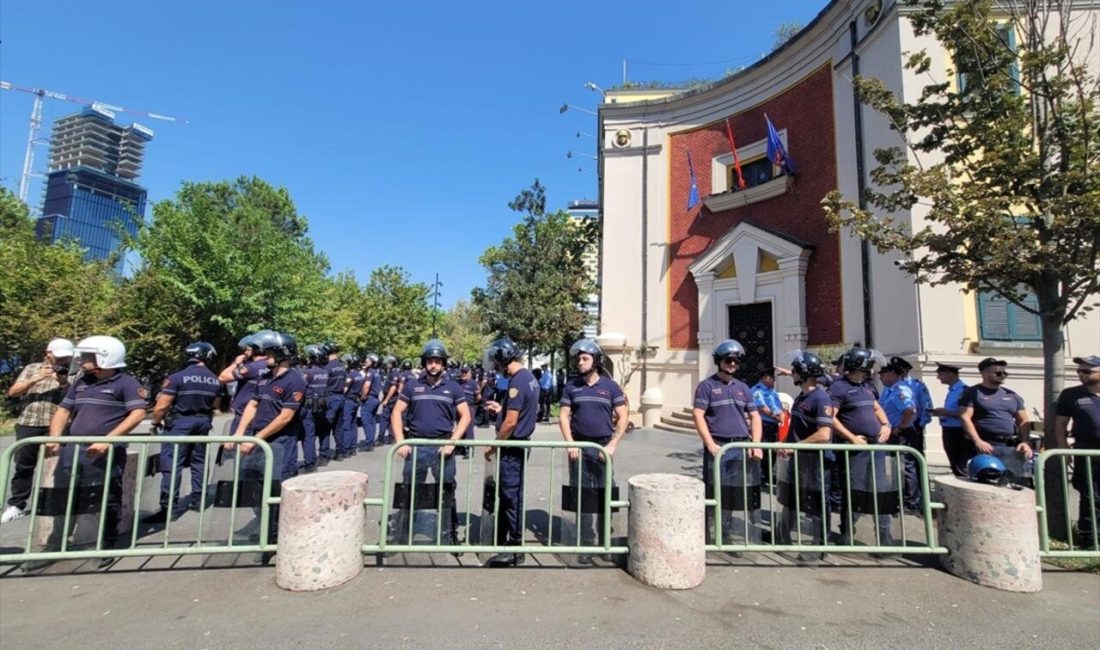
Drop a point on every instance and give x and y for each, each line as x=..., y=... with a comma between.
x=991, y=533
x=652, y=401
x=322, y=526
x=666, y=531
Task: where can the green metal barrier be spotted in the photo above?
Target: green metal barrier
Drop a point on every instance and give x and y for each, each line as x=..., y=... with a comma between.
x=1088, y=499
x=76, y=492
x=387, y=540
x=749, y=500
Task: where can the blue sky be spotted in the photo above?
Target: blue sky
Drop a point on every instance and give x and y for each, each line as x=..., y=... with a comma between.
x=401, y=130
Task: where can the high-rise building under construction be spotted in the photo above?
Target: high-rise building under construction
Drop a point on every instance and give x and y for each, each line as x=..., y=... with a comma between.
x=91, y=195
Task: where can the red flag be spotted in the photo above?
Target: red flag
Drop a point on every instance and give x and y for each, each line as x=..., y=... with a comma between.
x=736, y=159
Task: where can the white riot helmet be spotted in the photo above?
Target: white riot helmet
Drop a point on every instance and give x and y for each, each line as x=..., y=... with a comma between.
x=109, y=352
x=60, y=348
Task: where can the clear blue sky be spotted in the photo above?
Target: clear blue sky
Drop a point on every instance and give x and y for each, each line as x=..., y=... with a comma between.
x=401, y=130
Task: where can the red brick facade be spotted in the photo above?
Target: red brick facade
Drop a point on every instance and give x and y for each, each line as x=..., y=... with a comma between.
x=806, y=111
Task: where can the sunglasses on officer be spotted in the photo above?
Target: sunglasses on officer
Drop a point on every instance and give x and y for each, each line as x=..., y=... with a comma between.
x=1087, y=371
x=998, y=373
x=730, y=360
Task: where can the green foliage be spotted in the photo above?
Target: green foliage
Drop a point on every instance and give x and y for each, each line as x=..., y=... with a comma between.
x=46, y=290
x=785, y=32
x=537, y=282
x=465, y=332
x=396, y=317
x=1004, y=167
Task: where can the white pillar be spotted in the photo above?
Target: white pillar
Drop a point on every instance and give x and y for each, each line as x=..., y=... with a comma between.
x=321, y=530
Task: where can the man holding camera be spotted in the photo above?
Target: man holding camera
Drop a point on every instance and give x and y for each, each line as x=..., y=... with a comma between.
x=42, y=386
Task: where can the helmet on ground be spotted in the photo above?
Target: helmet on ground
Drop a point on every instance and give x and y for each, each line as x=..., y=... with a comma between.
x=728, y=349
x=200, y=351
x=109, y=352
x=589, y=347
x=501, y=352
x=985, y=468
x=279, y=345
x=315, y=353
x=434, y=349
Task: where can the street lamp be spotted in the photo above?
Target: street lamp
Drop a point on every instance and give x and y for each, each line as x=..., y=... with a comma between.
x=565, y=107
x=593, y=87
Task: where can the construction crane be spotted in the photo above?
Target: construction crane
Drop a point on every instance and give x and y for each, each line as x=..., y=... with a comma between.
x=36, y=123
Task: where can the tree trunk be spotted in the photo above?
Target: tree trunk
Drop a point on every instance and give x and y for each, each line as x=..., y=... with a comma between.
x=1053, y=381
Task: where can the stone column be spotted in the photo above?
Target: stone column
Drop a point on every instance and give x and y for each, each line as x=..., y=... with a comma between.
x=991, y=533
x=652, y=401
x=666, y=531
x=321, y=530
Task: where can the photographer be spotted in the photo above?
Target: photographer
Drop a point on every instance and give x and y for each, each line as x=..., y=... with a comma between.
x=41, y=387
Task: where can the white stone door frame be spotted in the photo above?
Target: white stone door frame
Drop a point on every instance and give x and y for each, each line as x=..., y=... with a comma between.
x=785, y=289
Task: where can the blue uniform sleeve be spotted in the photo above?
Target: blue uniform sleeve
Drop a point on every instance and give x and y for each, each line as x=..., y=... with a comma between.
x=750, y=404
x=1019, y=401
x=1064, y=406
x=69, y=401
x=294, y=394
x=406, y=393
x=822, y=411
x=967, y=398
x=517, y=395
x=567, y=396
x=836, y=395
x=702, y=397
x=169, y=386
x=617, y=397
x=905, y=398
x=758, y=397
x=132, y=394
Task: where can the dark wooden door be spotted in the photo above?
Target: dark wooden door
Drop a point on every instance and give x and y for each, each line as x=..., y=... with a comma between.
x=752, y=326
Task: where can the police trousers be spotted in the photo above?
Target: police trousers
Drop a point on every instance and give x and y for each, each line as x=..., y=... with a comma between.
x=175, y=457
x=513, y=470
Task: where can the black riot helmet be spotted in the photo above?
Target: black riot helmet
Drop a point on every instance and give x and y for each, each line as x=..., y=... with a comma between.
x=407, y=364
x=590, y=347
x=315, y=354
x=279, y=345
x=246, y=342
x=502, y=352
x=258, y=337
x=389, y=361
x=434, y=349
x=372, y=358
x=728, y=349
x=808, y=364
x=329, y=347
x=858, y=358
x=200, y=351
x=350, y=360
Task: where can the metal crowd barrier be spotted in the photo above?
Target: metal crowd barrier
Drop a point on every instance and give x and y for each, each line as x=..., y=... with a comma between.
x=1085, y=474
x=861, y=480
x=402, y=503
x=73, y=500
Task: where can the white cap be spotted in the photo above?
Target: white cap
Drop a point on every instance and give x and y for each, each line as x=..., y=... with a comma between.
x=60, y=348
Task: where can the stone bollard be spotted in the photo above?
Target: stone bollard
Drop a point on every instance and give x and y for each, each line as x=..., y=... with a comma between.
x=652, y=401
x=991, y=533
x=322, y=526
x=666, y=531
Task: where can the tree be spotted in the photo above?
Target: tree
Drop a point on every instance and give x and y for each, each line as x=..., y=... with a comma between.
x=218, y=260
x=785, y=32
x=1004, y=163
x=538, y=282
x=465, y=332
x=396, y=318
x=46, y=290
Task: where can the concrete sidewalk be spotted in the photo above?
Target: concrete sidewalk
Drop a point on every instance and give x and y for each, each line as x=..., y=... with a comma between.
x=551, y=608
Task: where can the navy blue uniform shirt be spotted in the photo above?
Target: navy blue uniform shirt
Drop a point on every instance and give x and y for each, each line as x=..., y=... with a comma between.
x=336, y=378
x=355, y=386
x=246, y=375
x=522, y=396
x=855, y=407
x=469, y=389
x=372, y=377
x=810, y=412
x=994, y=412
x=1083, y=410
x=99, y=406
x=725, y=406
x=195, y=389
x=591, y=407
x=433, y=409
x=275, y=393
x=316, y=379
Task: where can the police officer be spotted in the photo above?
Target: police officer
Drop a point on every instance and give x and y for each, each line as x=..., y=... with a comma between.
x=858, y=420
x=272, y=413
x=470, y=390
x=724, y=412
x=956, y=444
x=353, y=395
x=315, y=426
x=370, y=395
x=432, y=407
x=515, y=414
x=334, y=400
x=189, y=394
x=922, y=398
x=770, y=408
x=593, y=409
x=811, y=423
x=392, y=385
x=1078, y=412
x=900, y=405
x=103, y=401
x=995, y=419
x=248, y=367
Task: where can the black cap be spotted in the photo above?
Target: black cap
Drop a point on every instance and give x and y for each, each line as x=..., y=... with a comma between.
x=1093, y=360
x=946, y=367
x=990, y=361
x=890, y=367
x=901, y=364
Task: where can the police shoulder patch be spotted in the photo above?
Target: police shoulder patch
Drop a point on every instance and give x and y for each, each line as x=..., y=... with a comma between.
x=164, y=384
x=297, y=396
x=830, y=411
x=278, y=390
x=512, y=392
x=142, y=393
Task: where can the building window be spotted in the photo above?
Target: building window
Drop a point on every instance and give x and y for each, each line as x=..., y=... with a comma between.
x=1002, y=320
x=755, y=172
x=1009, y=35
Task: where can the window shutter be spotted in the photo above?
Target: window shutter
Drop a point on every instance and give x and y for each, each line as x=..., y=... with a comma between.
x=993, y=315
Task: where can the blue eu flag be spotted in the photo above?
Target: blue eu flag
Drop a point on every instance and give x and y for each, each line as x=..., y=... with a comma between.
x=776, y=153
x=693, y=195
